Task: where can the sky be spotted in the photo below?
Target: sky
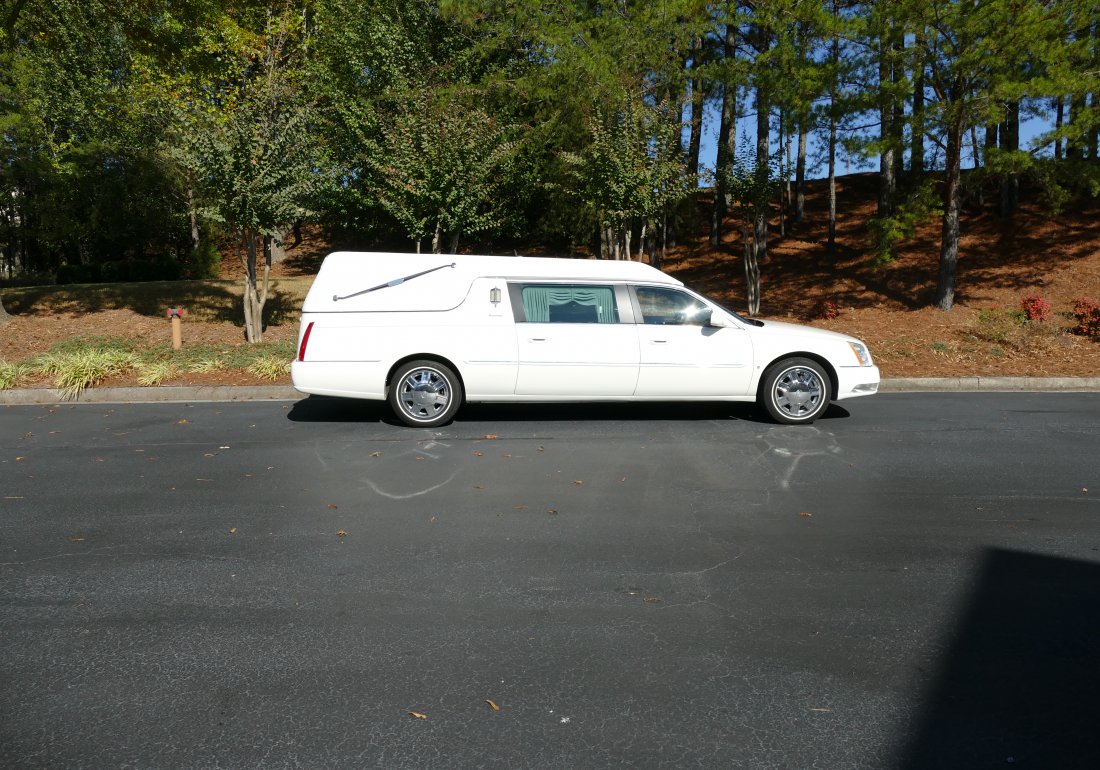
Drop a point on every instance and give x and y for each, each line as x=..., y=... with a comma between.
x=746, y=131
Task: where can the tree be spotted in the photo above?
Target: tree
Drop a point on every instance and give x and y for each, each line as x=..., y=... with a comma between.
x=970, y=54
x=250, y=147
x=441, y=168
x=751, y=187
x=624, y=176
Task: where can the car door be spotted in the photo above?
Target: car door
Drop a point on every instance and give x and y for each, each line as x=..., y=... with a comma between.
x=680, y=354
x=573, y=342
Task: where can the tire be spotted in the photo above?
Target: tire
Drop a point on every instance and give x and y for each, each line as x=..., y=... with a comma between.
x=424, y=394
x=795, y=391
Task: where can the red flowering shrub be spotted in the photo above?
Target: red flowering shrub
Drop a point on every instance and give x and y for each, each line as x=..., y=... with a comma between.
x=1036, y=308
x=826, y=310
x=1087, y=314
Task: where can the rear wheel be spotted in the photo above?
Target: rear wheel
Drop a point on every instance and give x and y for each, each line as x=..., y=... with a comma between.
x=795, y=391
x=425, y=394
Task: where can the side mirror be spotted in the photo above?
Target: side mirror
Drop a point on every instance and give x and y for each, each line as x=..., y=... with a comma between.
x=705, y=317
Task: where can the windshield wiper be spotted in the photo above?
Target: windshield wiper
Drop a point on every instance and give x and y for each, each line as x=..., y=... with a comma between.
x=394, y=282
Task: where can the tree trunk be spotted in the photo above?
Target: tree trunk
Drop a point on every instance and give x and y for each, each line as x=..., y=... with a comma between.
x=697, y=98
x=437, y=238
x=1059, y=118
x=727, y=140
x=949, y=245
x=255, y=297
x=1010, y=142
x=193, y=213
x=785, y=174
x=887, y=183
x=752, y=274
x=916, y=152
x=1076, y=114
x=831, y=244
x=800, y=174
x=4, y=317
x=1094, y=132
x=763, y=173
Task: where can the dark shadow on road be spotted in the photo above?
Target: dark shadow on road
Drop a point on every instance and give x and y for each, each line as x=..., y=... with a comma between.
x=1020, y=686
x=330, y=409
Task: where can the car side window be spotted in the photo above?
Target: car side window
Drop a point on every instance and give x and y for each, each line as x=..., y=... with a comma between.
x=569, y=303
x=669, y=307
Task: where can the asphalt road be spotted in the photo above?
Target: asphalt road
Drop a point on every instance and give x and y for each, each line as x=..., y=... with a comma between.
x=913, y=582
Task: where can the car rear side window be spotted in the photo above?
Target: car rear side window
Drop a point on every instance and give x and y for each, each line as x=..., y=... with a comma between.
x=568, y=303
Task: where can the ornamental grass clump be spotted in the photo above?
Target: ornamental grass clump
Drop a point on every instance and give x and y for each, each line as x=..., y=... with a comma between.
x=154, y=372
x=270, y=367
x=74, y=372
x=11, y=374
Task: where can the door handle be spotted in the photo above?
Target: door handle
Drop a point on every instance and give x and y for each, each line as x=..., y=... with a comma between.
x=536, y=339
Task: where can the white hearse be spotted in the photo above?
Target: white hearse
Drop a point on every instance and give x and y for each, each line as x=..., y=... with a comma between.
x=429, y=332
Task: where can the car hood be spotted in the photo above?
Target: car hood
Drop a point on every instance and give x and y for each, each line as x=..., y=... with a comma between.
x=782, y=329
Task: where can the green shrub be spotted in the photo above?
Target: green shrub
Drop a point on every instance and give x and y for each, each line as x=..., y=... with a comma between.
x=996, y=324
x=79, y=274
x=204, y=261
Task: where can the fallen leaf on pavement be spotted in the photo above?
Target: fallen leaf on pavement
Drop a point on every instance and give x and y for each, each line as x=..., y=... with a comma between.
x=341, y=533
x=577, y=482
x=804, y=513
x=490, y=435
x=332, y=506
x=232, y=530
x=492, y=705
x=652, y=600
x=375, y=454
x=182, y=422
x=417, y=715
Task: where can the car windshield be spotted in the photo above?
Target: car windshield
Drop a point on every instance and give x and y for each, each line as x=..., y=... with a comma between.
x=735, y=314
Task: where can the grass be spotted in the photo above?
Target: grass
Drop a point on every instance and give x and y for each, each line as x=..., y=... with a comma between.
x=84, y=362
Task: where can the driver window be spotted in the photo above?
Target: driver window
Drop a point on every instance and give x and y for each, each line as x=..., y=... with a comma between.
x=669, y=307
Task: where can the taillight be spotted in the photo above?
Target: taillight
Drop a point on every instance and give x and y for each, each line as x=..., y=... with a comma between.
x=305, y=341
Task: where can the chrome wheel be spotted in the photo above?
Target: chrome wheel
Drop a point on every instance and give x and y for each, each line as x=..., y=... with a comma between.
x=796, y=390
x=425, y=394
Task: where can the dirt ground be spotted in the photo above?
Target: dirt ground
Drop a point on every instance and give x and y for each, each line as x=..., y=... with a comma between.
x=1054, y=256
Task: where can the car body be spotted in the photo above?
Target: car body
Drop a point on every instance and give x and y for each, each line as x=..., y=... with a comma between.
x=429, y=332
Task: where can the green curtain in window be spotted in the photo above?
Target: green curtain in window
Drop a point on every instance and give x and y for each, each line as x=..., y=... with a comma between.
x=537, y=301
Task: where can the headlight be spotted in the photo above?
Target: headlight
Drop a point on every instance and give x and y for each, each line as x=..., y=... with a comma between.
x=862, y=353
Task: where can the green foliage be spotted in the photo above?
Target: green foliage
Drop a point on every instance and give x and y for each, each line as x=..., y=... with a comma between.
x=918, y=206
x=270, y=367
x=11, y=374
x=75, y=371
x=624, y=173
x=999, y=325
x=440, y=167
x=204, y=261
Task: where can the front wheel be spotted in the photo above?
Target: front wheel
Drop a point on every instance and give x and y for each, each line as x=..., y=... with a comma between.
x=795, y=391
x=425, y=394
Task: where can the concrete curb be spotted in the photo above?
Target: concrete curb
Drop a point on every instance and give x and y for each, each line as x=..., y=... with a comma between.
x=989, y=384
x=154, y=394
